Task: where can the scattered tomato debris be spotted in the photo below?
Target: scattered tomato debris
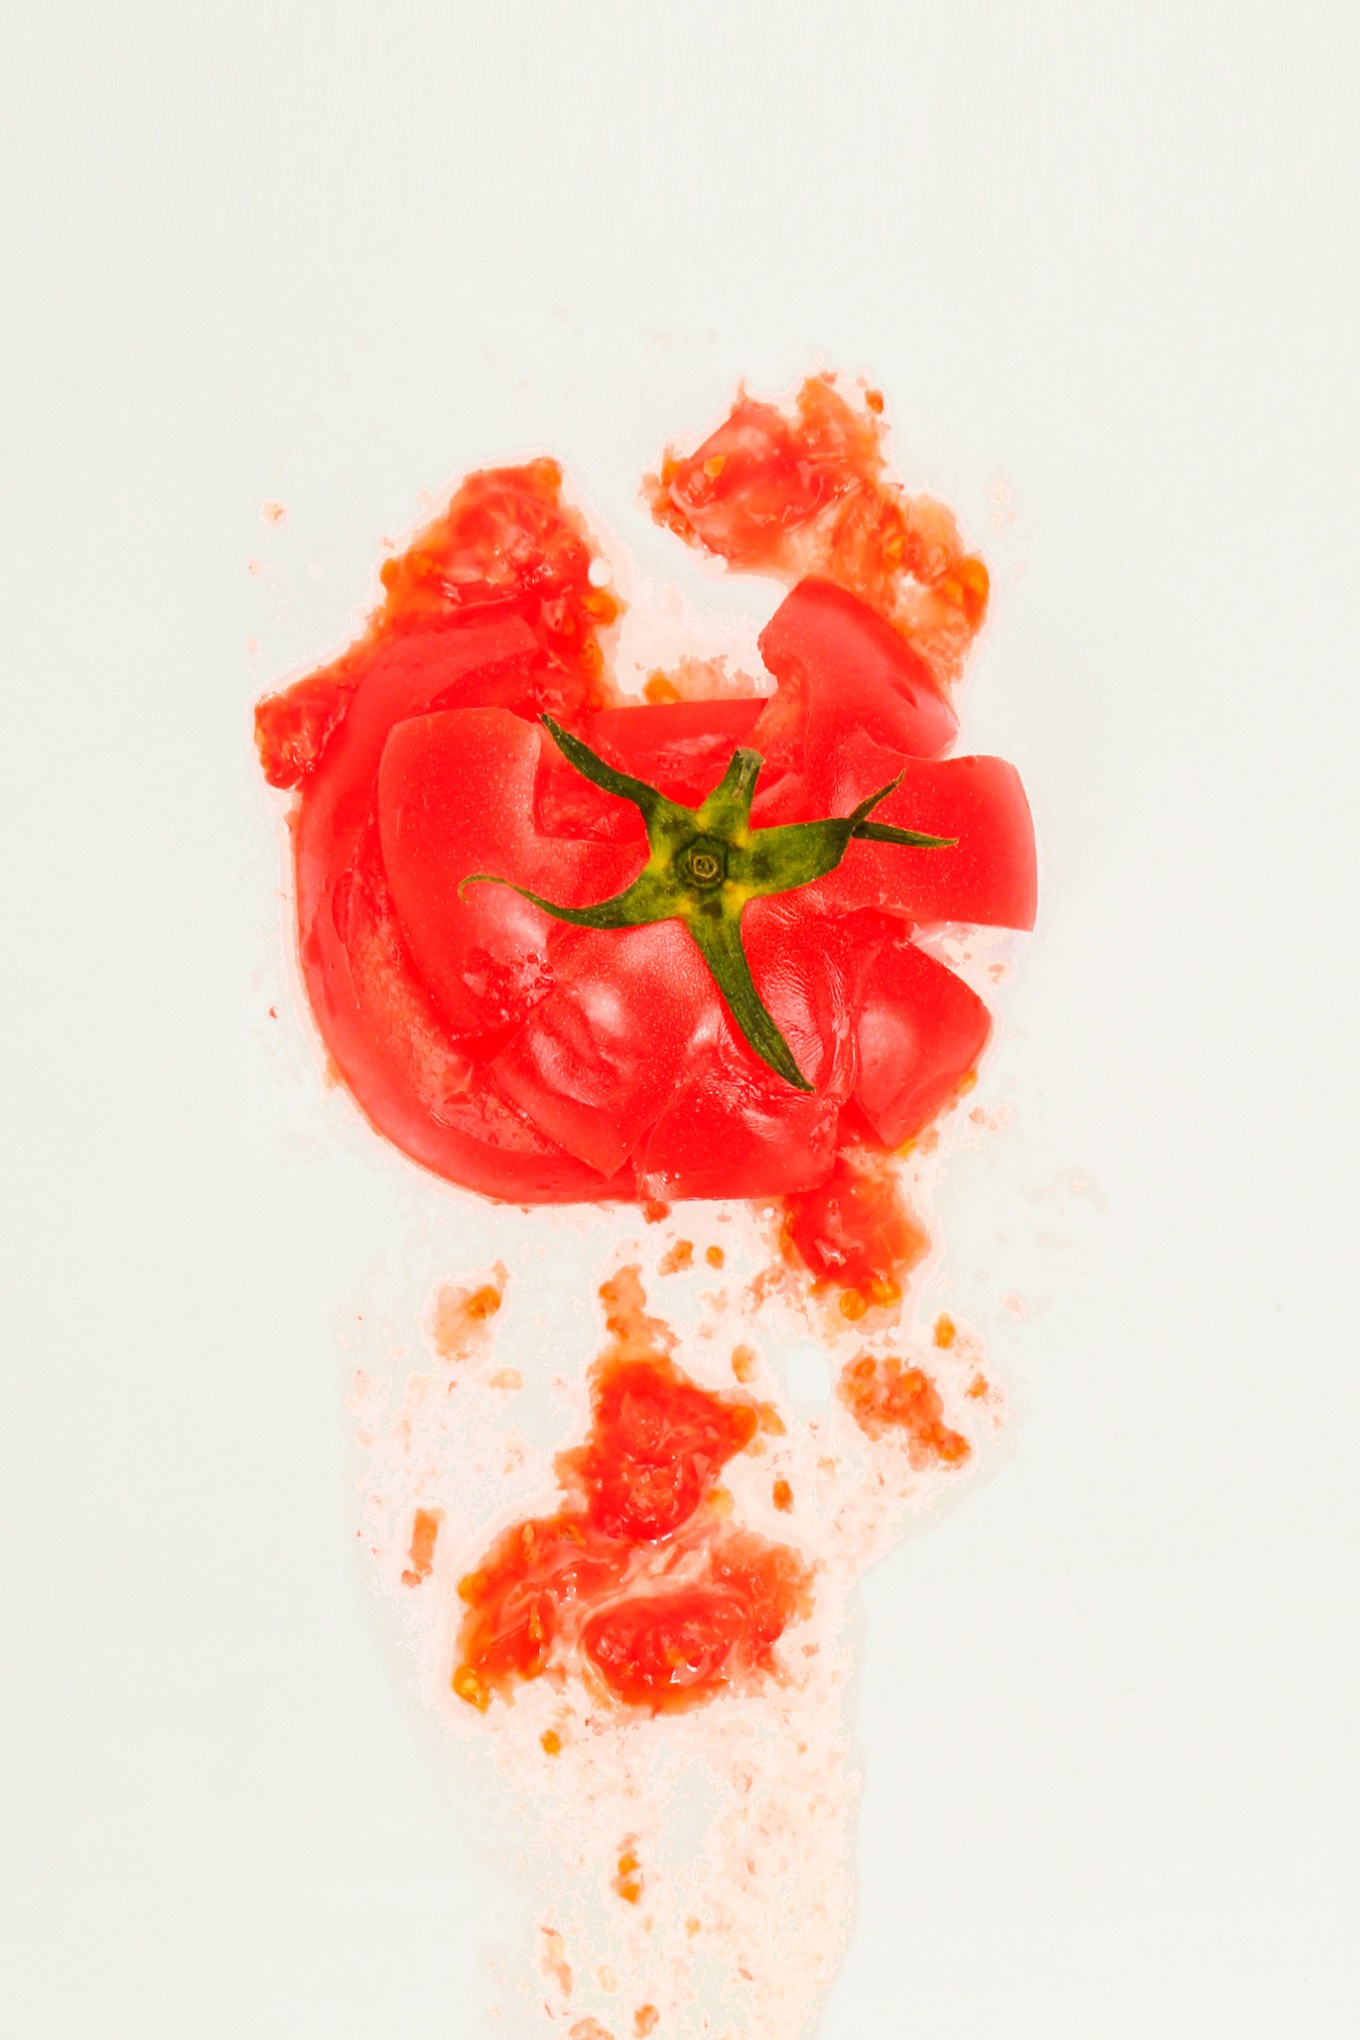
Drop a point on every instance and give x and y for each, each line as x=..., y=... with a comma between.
x=782, y=1496
x=882, y=1396
x=555, y=1964
x=461, y=1315
x=470, y=1687
x=424, y=1532
x=946, y=1331
x=628, y=1881
x=677, y=1258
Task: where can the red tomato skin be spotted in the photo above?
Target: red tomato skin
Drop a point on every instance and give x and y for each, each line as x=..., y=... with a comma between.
x=384, y=1033
x=854, y=672
x=680, y=747
x=989, y=876
x=583, y=1067
x=919, y=1034
x=456, y=797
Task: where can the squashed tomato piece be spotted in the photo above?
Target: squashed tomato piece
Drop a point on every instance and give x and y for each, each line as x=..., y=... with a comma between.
x=854, y=672
x=674, y=1650
x=853, y=1230
x=532, y=1578
x=657, y=1447
x=810, y=495
x=665, y=1651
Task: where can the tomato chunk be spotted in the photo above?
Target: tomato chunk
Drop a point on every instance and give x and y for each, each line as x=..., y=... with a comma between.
x=855, y=673
x=670, y=1651
x=665, y=1651
x=658, y=1445
x=919, y=1035
x=456, y=797
x=853, y=1230
x=532, y=1578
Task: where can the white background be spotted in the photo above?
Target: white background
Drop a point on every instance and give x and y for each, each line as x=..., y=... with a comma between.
x=1102, y=255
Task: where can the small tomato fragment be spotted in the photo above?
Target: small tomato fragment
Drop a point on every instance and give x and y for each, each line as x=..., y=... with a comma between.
x=853, y=1230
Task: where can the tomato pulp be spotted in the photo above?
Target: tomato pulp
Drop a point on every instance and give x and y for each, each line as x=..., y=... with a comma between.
x=636, y=1577
x=537, y=1061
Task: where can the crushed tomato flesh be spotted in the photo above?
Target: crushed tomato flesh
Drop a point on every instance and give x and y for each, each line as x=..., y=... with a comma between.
x=635, y=1574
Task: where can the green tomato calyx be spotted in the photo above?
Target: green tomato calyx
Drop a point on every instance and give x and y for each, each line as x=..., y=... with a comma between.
x=707, y=863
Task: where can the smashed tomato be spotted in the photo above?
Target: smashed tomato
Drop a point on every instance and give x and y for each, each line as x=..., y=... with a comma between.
x=536, y=1060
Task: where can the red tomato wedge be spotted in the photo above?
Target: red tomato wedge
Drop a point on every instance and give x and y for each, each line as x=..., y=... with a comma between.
x=857, y=672
x=920, y=1031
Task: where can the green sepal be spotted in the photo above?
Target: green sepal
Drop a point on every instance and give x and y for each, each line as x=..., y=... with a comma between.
x=730, y=862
